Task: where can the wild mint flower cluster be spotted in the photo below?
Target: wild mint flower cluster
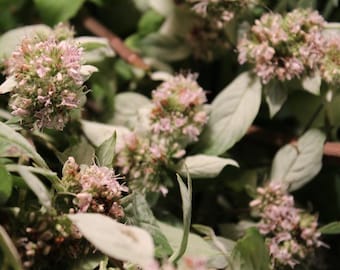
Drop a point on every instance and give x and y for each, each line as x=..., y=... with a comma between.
x=208, y=37
x=97, y=188
x=49, y=76
x=291, y=234
x=219, y=12
x=330, y=65
x=177, y=118
x=284, y=47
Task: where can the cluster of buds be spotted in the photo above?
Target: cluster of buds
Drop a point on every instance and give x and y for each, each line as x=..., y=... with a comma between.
x=49, y=76
x=45, y=235
x=330, y=65
x=219, y=12
x=284, y=47
x=176, y=119
x=291, y=234
x=208, y=37
x=97, y=188
x=178, y=113
x=142, y=162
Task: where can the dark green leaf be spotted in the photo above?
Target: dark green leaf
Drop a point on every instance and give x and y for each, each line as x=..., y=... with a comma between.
x=331, y=228
x=250, y=252
x=53, y=12
x=146, y=220
x=11, y=257
x=6, y=184
x=186, y=194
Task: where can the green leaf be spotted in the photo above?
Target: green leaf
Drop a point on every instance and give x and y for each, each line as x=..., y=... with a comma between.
x=296, y=164
x=126, y=108
x=6, y=184
x=53, y=12
x=149, y=22
x=10, y=40
x=197, y=246
x=83, y=152
x=312, y=84
x=96, y=49
x=186, y=194
x=276, y=96
x=98, y=133
x=204, y=166
x=52, y=176
x=164, y=47
x=331, y=228
x=250, y=252
x=146, y=220
x=8, y=85
x=232, y=112
x=106, y=151
x=11, y=255
x=119, y=241
x=10, y=136
x=36, y=186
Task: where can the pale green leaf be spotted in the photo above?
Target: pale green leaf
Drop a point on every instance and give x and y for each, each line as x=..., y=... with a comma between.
x=7, y=134
x=11, y=39
x=164, y=7
x=331, y=228
x=197, y=246
x=96, y=49
x=164, y=47
x=204, y=166
x=52, y=176
x=186, y=194
x=250, y=252
x=6, y=184
x=276, y=96
x=232, y=112
x=8, y=85
x=87, y=70
x=53, y=12
x=36, y=186
x=296, y=164
x=126, y=108
x=106, y=151
x=312, y=84
x=98, y=133
x=119, y=241
x=11, y=255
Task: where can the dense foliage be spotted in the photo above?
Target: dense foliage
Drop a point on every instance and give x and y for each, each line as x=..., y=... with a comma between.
x=169, y=134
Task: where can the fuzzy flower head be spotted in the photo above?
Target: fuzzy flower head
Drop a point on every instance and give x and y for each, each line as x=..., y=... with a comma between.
x=219, y=12
x=142, y=162
x=97, y=188
x=291, y=234
x=286, y=47
x=49, y=75
x=178, y=109
x=330, y=66
x=208, y=37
